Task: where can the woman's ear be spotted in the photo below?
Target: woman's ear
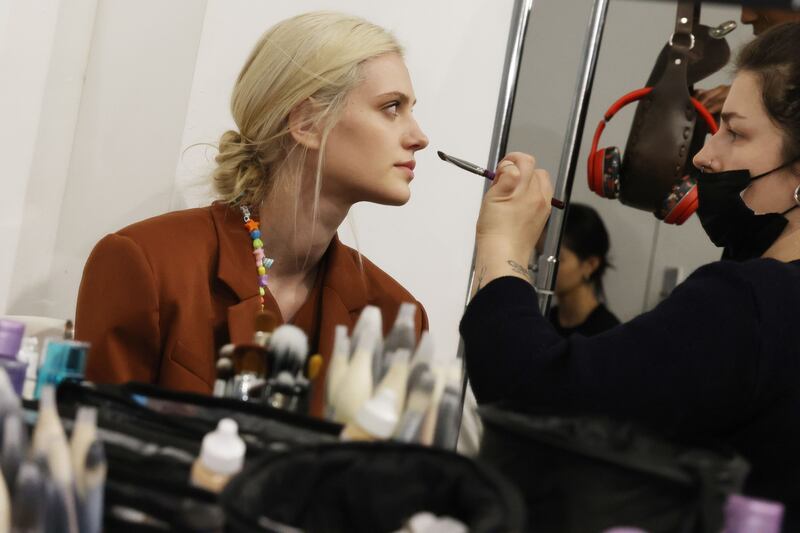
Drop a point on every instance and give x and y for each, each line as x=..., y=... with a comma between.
x=589, y=265
x=303, y=127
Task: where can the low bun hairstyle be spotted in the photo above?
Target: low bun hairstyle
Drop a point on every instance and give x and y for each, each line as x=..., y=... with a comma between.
x=314, y=57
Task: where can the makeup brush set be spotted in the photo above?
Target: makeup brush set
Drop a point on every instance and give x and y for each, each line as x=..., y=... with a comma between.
x=274, y=369
x=393, y=388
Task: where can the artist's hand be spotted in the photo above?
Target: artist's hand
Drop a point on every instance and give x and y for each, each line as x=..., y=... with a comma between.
x=713, y=99
x=513, y=213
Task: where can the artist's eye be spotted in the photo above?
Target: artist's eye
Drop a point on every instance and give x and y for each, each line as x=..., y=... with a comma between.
x=732, y=134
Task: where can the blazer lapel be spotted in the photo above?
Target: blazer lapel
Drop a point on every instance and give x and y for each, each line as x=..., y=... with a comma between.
x=237, y=269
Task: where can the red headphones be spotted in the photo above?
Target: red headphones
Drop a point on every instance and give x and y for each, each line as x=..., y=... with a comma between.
x=605, y=163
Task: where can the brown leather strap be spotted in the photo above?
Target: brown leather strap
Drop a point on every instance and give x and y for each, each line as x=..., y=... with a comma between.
x=684, y=25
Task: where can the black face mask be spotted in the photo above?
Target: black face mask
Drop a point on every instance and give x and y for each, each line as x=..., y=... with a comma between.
x=729, y=222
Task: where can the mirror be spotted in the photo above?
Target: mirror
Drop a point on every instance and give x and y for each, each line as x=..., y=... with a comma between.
x=644, y=251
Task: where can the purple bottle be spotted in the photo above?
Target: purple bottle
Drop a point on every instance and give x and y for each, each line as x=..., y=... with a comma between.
x=11, y=333
x=749, y=515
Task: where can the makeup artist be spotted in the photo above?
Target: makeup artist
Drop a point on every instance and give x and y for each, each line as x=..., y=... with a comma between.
x=323, y=113
x=719, y=359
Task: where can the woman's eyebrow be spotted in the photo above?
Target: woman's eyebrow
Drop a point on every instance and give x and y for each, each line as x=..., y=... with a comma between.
x=728, y=116
x=402, y=97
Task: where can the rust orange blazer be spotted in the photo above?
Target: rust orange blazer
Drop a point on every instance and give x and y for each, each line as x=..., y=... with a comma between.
x=160, y=297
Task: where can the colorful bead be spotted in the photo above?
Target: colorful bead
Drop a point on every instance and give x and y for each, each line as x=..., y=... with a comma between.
x=268, y=262
x=262, y=263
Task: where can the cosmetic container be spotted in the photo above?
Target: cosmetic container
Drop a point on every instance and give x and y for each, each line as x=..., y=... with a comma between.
x=337, y=368
x=376, y=420
x=356, y=386
x=749, y=515
x=14, y=446
x=396, y=379
x=83, y=434
x=63, y=359
x=29, y=356
x=221, y=457
x=11, y=333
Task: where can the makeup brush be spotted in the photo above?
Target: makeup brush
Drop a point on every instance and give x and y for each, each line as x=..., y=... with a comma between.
x=287, y=350
x=486, y=173
x=30, y=498
x=337, y=368
x=419, y=399
x=357, y=384
x=402, y=336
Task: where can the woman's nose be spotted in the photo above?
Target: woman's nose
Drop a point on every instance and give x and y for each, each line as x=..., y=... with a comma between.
x=704, y=159
x=416, y=139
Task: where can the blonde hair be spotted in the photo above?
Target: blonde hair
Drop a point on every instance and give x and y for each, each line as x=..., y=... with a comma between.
x=315, y=58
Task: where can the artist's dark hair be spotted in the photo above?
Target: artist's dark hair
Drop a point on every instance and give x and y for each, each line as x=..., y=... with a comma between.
x=774, y=56
x=586, y=236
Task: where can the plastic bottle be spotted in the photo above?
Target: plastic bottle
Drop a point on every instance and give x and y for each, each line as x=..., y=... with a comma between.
x=29, y=356
x=376, y=420
x=749, y=515
x=221, y=457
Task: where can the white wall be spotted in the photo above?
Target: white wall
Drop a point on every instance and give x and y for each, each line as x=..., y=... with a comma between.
x=145, y=80
x=426, y=244
x=641, y=246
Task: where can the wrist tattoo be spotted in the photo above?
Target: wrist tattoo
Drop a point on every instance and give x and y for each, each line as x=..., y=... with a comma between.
x=519, y=269
x=480, y=278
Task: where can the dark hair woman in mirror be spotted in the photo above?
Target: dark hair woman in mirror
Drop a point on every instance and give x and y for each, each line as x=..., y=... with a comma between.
x=582, y=263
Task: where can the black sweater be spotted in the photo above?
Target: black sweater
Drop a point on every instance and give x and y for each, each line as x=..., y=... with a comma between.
x=717, y=360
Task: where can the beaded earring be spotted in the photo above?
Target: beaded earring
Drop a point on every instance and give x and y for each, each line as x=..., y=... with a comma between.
x=263, y=263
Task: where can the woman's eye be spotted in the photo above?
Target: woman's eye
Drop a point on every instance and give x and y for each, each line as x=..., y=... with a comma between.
x=733, y=135
x=392, y=108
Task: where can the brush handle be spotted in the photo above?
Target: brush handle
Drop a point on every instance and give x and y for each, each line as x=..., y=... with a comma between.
x=558, y=204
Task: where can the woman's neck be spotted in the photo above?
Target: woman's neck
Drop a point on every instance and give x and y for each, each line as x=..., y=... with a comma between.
x=787, y=246
x=293, y=236
x=575, y=306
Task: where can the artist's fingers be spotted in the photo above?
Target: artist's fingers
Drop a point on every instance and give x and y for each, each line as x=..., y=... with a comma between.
x=525, y=165
x=506, y=180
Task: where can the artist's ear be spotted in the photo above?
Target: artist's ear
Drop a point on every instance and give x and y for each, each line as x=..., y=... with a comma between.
x=303, y=125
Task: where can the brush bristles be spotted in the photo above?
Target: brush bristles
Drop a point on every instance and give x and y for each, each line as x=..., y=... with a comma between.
x=441, y=155
x=288, y=338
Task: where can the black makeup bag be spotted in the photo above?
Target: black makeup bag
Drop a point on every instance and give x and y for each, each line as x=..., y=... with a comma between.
x=367, y=488
x=153, y=435
x=583, y=474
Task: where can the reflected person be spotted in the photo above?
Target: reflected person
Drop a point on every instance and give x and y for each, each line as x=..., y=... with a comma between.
x=582, y=263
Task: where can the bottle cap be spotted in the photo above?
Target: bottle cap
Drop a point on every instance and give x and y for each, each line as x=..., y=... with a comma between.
x=223, y=450
x=378, y=415
x=11, y=333
x=750, y=514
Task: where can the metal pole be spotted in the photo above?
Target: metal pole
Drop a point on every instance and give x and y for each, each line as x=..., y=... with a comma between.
x=505, y=106
x=548, y=261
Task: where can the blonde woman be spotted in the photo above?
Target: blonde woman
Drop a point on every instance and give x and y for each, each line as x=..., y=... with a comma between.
x=323, y=111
